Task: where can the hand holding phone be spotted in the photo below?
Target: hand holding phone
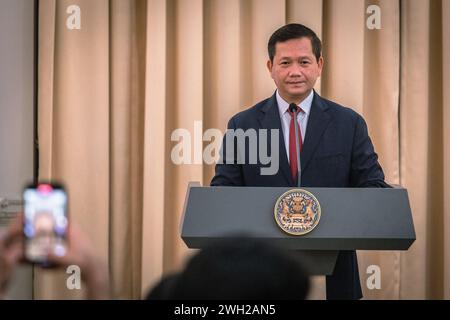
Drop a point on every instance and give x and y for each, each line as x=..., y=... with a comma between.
x=45, y=222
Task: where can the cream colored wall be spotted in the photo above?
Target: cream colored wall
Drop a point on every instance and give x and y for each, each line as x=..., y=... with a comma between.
x=16, y=113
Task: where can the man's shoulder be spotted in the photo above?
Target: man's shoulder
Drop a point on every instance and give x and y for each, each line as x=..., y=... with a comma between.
x=338, y=110
x=250, y=112
x=248, y=115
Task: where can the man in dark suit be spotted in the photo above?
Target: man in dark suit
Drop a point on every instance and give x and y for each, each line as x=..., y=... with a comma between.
x=335, y=148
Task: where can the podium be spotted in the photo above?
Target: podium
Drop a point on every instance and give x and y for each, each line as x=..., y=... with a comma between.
x=351, y=219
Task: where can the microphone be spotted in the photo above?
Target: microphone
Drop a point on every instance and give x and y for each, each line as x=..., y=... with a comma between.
x=294, y=109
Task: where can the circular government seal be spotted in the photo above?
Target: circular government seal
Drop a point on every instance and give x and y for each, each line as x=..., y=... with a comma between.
x=297, y=212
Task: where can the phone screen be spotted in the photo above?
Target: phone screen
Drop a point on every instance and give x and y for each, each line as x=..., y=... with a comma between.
x=45, y=221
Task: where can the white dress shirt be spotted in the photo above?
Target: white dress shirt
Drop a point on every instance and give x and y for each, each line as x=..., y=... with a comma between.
x=302, y=118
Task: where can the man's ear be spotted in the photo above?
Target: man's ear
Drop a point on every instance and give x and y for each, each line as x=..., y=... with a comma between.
x=320, y=64
x=269, y=66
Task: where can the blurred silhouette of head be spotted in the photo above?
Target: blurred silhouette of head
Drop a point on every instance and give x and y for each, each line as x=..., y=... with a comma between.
x=238, y=268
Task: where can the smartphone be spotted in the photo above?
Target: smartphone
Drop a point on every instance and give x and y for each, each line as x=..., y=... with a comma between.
x=45, y=222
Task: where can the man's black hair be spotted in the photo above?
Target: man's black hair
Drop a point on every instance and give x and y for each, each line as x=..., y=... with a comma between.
x=241, y=268
x=294, y=31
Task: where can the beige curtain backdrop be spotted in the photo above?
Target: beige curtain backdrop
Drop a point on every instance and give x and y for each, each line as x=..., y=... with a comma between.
x=111, y=94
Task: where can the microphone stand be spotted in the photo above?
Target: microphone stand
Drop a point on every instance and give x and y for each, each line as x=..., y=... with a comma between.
x=297, y=148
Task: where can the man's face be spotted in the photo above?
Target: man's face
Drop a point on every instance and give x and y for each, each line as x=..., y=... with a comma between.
x=295, y=69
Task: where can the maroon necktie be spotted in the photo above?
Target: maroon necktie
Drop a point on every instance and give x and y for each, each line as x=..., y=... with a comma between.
x=292, y=152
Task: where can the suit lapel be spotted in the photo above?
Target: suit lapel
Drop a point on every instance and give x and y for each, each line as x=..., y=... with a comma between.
x=269, y=118
x=318, y=121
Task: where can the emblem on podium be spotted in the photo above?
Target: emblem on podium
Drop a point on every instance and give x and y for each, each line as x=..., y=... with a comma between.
x=297, y=212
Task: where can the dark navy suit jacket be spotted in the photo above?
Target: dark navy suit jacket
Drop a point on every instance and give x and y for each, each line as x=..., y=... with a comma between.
x=337, y=152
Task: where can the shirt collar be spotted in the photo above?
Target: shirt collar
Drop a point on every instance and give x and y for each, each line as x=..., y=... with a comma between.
x=305, y=105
